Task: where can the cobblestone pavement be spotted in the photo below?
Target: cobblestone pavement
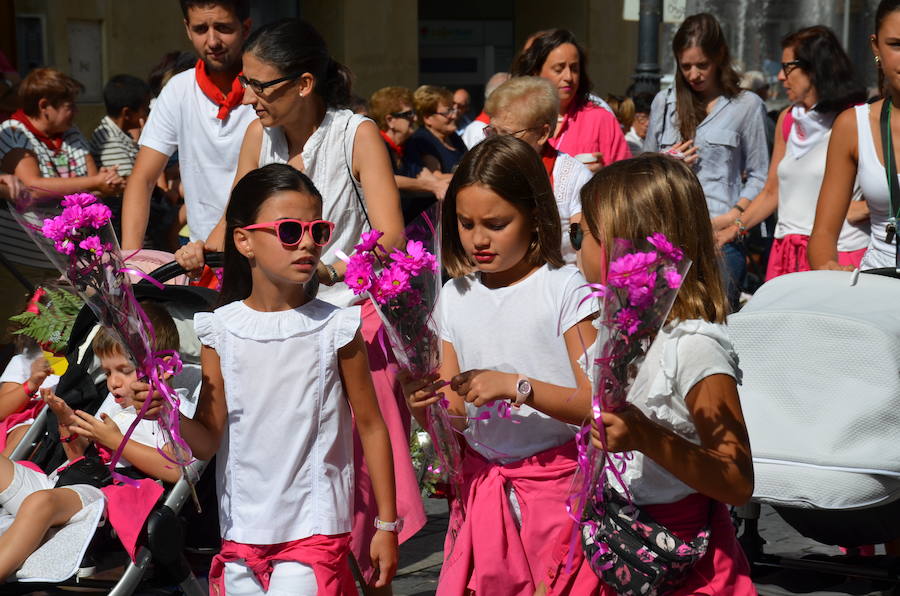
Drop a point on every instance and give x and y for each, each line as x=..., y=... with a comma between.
x=420, y=561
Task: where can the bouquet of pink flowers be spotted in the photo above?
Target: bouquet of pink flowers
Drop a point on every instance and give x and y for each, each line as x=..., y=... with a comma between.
x=404, y=286
x=77, y=238
x=639, y=290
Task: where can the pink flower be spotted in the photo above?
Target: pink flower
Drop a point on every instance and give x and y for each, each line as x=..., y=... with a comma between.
x=360, y=273
x=368, y=241
x=673, y=278
x=93, y=244
x=415, y=258
x=392, y=282
x=640, y=289
x=96, y=215
x=666, y=248
x=628, y=321
x=81, y=199
x=66, y=246
x=55, y=229
x=623, y=271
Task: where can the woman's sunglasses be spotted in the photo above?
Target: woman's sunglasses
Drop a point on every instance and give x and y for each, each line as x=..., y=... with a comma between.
x=290, y=231
x=576, y=235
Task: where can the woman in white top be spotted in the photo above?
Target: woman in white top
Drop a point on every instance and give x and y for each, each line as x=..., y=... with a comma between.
x=526, y=108
x=819, y=81
x=855, y=152
x=298, y=90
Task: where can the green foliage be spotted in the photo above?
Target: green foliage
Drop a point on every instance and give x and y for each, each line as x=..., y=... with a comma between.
x=53, y=324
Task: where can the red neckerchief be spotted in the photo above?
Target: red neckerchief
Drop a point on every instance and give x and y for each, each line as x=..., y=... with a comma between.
x=548, y=156
x=54, y=143
x=397, y=148
x=226, y=103
x=483, y=117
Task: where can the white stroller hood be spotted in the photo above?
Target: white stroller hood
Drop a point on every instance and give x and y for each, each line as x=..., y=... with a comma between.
x=821, y=389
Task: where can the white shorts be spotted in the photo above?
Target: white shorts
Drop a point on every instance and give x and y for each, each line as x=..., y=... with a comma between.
x=27, y=481
x=289, y=578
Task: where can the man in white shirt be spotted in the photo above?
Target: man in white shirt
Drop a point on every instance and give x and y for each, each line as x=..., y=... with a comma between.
x=199, y=114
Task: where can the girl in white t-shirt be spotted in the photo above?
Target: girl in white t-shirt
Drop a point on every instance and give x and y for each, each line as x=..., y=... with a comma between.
x=683, y=423
x=513, y=325
x=281, y=373
x=19, y=401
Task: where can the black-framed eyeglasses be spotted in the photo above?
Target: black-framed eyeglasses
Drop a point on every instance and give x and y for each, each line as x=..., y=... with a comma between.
x=490, y=130
x=407, y=115
x=788, y=67
x=259, y=87
x=576, y=235
x=448, y=113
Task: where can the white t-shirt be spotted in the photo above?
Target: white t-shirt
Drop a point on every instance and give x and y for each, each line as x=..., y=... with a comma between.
x=516, y=329
x=19, y=370
x=327, y=157
x=683, y=353
x=569, y=175
x=285, y=465
x=184, y=119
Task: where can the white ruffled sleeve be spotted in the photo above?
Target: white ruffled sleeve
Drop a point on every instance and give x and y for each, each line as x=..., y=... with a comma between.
x=574, y=307
x=208, y=329
x=348, y=322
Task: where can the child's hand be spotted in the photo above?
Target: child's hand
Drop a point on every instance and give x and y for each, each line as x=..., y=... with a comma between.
x=99, y=430
x=141, y=394
x=40, y=370
x=625, y=430
x=383, y=552
x=483, y=386
x=420, y=392
x=64, y=414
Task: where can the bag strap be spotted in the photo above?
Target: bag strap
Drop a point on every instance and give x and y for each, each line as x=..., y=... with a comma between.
x=665, y=114
x=890, y=170
x=348, y=162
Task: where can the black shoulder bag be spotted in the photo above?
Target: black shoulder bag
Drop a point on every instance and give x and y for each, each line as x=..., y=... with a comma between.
x=890, y=171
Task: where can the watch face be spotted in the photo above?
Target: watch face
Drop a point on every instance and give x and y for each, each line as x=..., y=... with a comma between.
x=524, y=387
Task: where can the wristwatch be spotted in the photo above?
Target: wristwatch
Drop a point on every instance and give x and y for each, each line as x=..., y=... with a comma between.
x=523, y=390
x=333, y=276
x=394, y=526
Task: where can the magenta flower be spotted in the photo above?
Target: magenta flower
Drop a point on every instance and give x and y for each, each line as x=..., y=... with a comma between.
x=392, y=282
x=666, y=248
x=624, y=271
x=640, y=289
x=96, y=215
x=360, y=273
x=65, y=246
x=81, y=199
x=55, y=229
x=368, y=241
x=93, y=244
x=673, y=278
x=415, y=258
x=628, y=321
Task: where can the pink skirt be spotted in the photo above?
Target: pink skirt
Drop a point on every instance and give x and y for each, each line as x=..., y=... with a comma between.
x=722, y=570
x=788, y=255
x=397, y=418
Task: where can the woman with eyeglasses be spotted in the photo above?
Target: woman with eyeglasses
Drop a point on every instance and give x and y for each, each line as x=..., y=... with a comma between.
x=725, y=124
x=583, y=129
x=299, y=93
x=526, y=108
x=819, y=81
x=392, y=110
x=435, y=146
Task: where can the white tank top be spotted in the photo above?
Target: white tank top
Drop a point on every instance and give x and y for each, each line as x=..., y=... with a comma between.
x=870, y=173
x=799, y=181
x=327, y=157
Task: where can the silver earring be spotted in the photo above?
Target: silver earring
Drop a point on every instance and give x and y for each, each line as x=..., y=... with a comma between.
x=877, y=59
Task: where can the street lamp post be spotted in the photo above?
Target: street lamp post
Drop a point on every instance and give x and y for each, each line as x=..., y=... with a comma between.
x=646, y=73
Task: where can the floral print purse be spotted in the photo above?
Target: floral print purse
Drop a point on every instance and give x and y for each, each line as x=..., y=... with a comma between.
x=634, y=554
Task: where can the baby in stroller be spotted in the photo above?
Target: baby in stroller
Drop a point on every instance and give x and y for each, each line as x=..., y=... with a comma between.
x=33, y=503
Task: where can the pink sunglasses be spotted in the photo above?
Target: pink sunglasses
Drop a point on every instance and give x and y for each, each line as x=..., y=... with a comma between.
x=290, y=231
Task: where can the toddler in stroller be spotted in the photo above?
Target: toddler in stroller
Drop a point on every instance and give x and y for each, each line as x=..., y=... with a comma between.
x=820, y=354
x=33, y=502
x=80, y=389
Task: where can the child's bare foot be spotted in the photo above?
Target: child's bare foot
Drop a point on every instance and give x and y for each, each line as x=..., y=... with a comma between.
x=64, y=414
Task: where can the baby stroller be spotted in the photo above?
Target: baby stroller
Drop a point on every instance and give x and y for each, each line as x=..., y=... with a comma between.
x=162, y=542
x=820, y=355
